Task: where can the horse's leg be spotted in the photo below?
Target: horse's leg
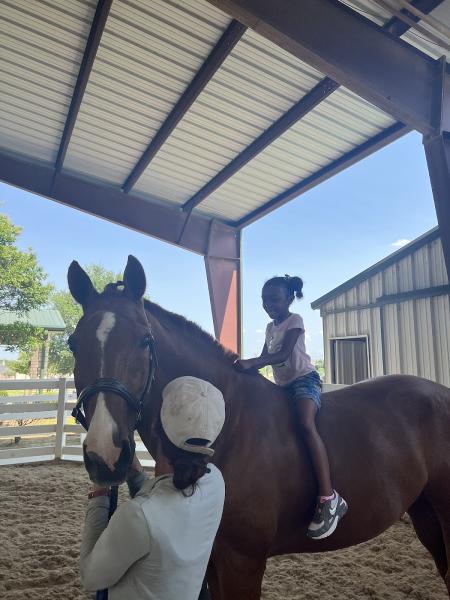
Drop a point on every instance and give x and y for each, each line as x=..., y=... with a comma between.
x=429, y=532
x=233, y=576
x=438, y=493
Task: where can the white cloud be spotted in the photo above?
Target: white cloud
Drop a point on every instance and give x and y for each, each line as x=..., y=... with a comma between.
x=400, y=243
x=259, y=331
x=307, y=336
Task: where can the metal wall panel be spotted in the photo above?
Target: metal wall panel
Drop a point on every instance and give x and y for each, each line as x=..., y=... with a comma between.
x=41, y=46
x=416, y=331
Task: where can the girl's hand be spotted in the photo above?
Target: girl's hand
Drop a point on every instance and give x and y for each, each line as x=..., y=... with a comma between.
x=244, y=365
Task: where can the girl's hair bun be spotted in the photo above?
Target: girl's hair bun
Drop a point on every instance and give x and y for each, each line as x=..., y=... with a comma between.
x=294, y=285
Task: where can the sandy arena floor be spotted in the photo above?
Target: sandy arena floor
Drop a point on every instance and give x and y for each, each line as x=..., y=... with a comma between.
x=42, y=510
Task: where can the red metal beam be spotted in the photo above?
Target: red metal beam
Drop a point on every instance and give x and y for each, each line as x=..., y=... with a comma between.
x=223, y=272
x=110, y=203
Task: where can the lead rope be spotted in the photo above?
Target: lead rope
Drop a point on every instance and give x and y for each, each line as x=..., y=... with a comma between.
x=113, y=498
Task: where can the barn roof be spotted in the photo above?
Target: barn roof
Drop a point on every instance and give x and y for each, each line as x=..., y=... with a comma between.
x=48, y=319
x=396, y=256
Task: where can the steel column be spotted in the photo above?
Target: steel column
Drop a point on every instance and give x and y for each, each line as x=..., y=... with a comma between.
x=223, y=272
x=437, y=150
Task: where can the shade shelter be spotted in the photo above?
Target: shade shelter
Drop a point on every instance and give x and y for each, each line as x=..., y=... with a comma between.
x=188, y=120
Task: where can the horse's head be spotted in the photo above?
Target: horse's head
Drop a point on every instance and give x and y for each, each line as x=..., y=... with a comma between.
x=112, y=345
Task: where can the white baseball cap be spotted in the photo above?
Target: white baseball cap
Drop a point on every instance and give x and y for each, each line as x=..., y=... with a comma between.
x=192, y=409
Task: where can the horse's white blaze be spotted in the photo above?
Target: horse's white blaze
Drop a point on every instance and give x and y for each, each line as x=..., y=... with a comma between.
x=103, y=330
x=102, y=427
x=99, y=438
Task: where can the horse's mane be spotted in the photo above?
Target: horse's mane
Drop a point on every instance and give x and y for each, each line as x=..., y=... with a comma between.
x=194, y=330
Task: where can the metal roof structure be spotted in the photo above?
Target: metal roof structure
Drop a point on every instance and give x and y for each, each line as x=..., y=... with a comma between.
x=190, y=119
x=46, y=318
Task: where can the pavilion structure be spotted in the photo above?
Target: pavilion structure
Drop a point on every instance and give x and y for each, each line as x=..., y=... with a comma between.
x=187, y=120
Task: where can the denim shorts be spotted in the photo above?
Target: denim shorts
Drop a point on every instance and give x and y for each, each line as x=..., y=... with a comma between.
x=308, y=386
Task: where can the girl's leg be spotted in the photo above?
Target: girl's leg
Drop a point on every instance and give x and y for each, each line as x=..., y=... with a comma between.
x=306, y=413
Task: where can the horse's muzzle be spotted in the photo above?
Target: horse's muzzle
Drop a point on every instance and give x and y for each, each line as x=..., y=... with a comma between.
x=99, y=471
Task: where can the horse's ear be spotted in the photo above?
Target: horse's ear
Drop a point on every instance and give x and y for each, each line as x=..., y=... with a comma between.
x=134, y=278
x=80, y=285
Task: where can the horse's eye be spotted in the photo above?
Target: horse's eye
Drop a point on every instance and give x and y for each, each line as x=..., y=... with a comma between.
x=71, y=344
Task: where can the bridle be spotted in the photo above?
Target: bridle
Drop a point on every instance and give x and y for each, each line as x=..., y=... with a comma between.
x=116, y=387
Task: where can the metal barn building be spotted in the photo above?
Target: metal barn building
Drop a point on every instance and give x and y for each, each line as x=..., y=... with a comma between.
x=392, y=318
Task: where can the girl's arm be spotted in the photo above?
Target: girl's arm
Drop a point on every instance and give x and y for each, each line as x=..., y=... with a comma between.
x=266, y=358
x=241, y=363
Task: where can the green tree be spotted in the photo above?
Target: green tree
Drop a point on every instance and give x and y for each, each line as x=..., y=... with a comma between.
x=60, y=360
x=320, y=367
x=22, y=288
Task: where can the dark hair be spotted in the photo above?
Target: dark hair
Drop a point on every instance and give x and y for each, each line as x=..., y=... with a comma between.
x=293, y=285
x=188, y=467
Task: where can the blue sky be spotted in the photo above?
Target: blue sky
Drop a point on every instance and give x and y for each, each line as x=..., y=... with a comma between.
x=326, y=236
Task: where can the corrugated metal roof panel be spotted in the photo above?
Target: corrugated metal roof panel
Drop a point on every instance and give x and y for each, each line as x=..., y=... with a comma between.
x=336, y=126
x=41, y=46
x=256, y=85
x=149, y=53
x=49, y=319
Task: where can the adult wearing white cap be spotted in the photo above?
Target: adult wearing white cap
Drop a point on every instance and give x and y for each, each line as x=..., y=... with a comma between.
x=157, y=545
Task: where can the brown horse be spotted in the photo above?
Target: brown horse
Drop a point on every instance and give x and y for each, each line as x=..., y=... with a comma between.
x=388, y=439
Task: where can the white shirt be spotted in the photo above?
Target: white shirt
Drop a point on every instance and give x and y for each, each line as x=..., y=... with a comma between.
x=157, y=545
x=298, y=363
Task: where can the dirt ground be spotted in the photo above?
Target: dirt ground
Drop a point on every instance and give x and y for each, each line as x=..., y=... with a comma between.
x=42, y=511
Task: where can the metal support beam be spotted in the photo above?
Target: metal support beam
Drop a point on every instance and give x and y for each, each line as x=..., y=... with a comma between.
x=321, y=91
x=111, y=204
x=223, y=272
x=221, y=50
x=92, y=44
x=379, y=141
x=350, y=49
x=397, y=27
x=437, y=150
x=297, y=112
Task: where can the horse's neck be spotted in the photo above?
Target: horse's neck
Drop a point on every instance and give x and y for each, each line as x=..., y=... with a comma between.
x=178, y=356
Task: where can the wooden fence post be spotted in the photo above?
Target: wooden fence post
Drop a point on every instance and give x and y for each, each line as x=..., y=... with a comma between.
x=60, y=440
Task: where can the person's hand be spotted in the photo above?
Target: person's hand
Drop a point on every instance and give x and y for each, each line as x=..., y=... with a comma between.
x=244, y=365
x=135, y=468
x=136, y=477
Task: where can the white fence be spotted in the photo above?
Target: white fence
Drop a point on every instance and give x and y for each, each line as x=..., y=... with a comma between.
x=52, y=400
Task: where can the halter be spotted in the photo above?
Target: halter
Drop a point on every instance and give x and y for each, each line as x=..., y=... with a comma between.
x=116, y=387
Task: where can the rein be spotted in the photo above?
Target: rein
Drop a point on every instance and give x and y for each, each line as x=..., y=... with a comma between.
x=116, y=387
